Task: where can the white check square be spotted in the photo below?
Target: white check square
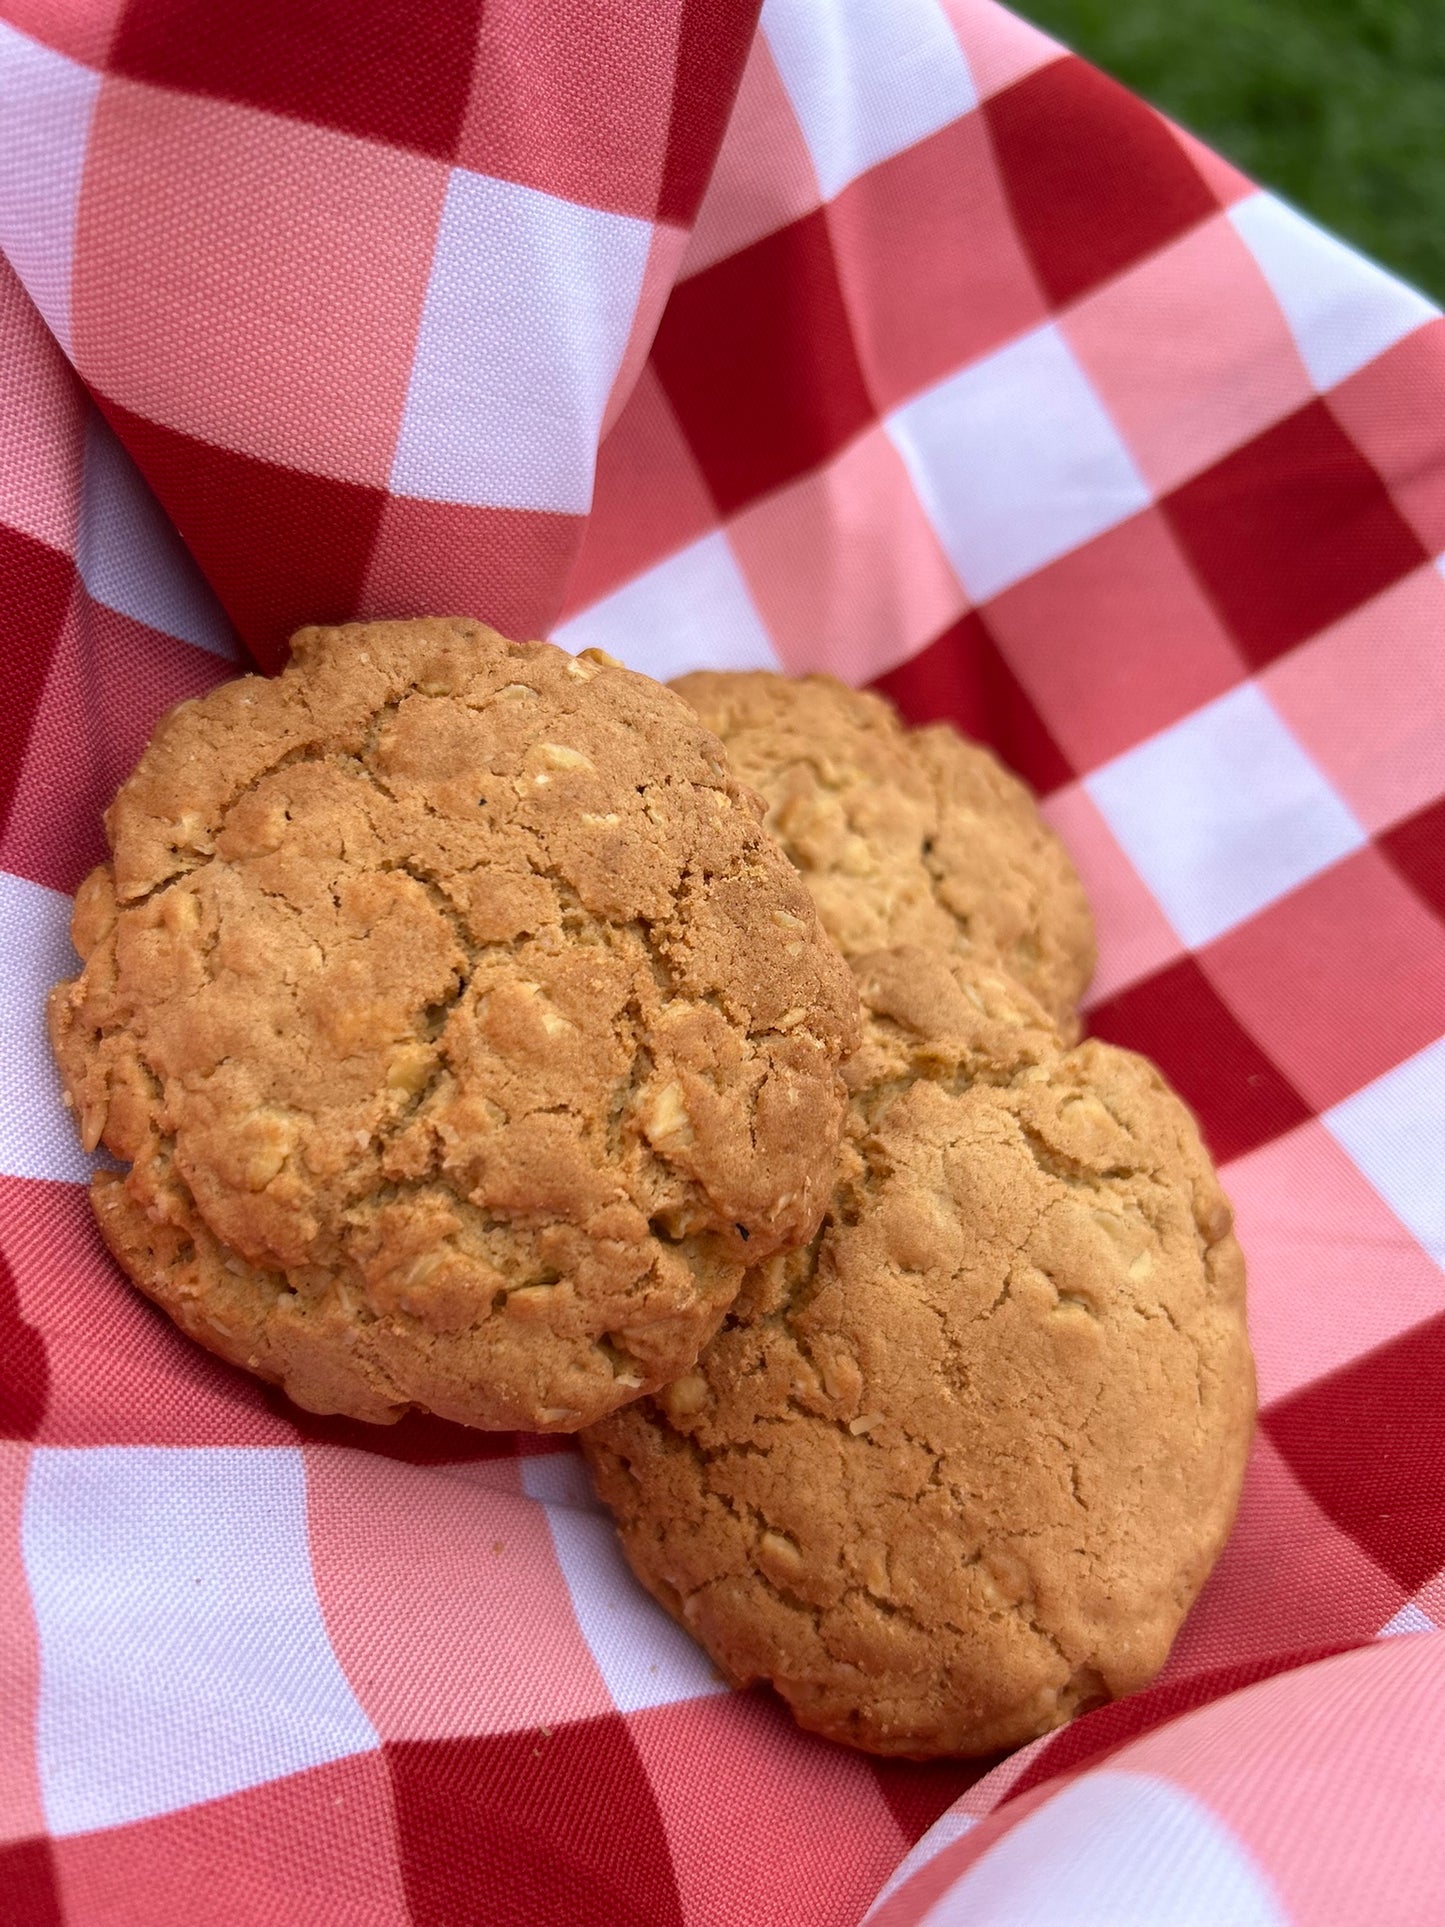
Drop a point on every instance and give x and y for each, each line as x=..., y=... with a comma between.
x=46, y=104
x=1222, y=813
x=37, y=1134
x=528, y=310
x=1016, y=461
x=692, y=611
x=644, y=1658
x=183, y=1654
x=866, y=78
x=1394, y=1129
x=1114, y=1846
x=1341, y=308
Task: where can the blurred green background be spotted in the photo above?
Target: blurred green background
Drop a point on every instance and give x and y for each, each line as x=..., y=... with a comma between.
x=1338, y=104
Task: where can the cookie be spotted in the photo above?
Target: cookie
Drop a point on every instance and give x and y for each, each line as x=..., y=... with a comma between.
x=463, y=1031
x=956, y=1470
x=905, y=836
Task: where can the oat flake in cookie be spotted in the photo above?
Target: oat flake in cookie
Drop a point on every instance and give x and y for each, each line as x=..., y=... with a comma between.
x=958, y=1469
x=905, y=836
x=462, y=1029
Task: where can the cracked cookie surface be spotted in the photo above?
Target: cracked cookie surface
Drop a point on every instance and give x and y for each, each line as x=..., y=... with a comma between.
x=958, y=1468
x=463, y=1031
x=904, y=836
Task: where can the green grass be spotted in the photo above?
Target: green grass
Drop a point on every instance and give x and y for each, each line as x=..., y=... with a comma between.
x=1338, y=104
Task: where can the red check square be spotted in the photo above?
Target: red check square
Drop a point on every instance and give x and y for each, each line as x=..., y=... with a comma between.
x=1390, y=1497
x=316, y=534
x=573, y=101
x=649, y=497
x=844, y=566
x=930, y=261
x=68, y=1288
x=764, y=177
x=1288, y=1580
x=1184, y=390
x=503, y=565
x=1000, y=47
x=1291, y=531
x=1366, y=695
x=1416, y=848
x=287, y=1850
x=757, y=358
x=533, y=1821
x=963, y=678
x=42, y=411
x=27, y=1369
x=1221, y=177
x=110, y=679
x=1333, y=1272
x=418, y=1674
x=1178, y=1018
x=1340, y=980
x=319, y=61
x=1115, y=640
x=711, y=45
x=85, y=33
x=1390, y=410
x=1085, y=219
x=27, y=1874
x=38, y=582
x=19, y=1775
x=919, y=1792
x=254, y=282
x=746, y=1853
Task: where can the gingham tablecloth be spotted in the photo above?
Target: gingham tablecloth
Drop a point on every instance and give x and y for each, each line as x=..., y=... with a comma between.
x=902, y=344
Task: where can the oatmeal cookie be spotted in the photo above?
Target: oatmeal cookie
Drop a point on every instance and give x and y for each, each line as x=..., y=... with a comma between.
x=958, y=1468
x=463, y=1031
x=905, y=836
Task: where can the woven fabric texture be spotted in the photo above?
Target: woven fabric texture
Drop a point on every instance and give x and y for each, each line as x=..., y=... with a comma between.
x=881, y=336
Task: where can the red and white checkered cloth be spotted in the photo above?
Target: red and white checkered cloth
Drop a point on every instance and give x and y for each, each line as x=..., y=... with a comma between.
x=969, y=376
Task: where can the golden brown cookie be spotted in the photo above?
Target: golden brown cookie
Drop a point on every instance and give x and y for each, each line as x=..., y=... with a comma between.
x=957, y=1469
x=464, y=1031
x=905, y=836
